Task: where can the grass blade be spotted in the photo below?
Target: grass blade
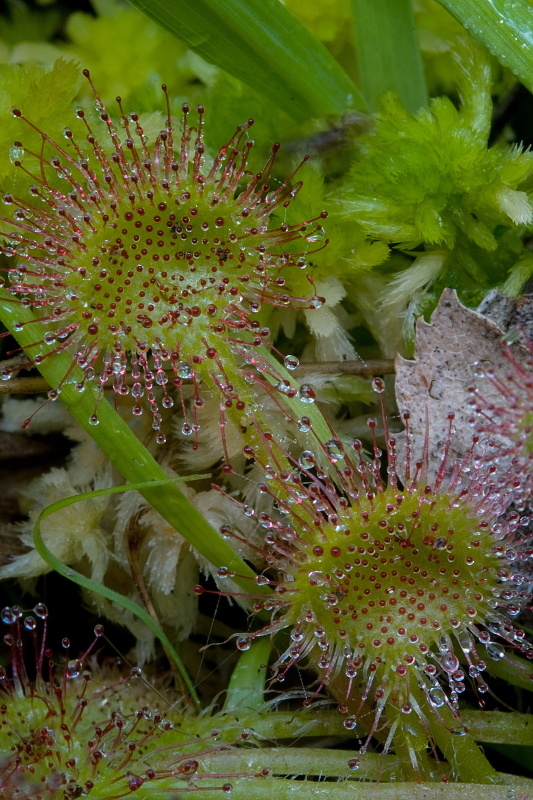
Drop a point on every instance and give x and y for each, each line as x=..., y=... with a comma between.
x=388, y=55
x=505, y=27
x=262, y=44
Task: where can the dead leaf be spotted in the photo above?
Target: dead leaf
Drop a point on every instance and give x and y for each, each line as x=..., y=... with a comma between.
x=437, y=382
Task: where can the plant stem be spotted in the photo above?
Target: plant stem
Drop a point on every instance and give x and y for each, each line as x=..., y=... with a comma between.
x=257, y=788
x=498, y=727
x=305, y=761
x=384, y=366
x=505, y=27
x=462, y=753
x=388, y=55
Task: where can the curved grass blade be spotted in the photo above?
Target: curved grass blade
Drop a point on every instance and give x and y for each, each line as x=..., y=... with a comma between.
x=104, y=591
x=505, y=27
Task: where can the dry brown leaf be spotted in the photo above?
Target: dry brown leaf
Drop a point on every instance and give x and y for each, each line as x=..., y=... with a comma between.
x=436, y=383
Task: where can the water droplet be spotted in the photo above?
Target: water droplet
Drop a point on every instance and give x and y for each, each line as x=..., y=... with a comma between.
x=135, y=782
x=378, y=385
x=306, y=459
x=41, y=610
x=184, y=370
x=495, y=651
x=317, y=235
x=333, y=450
x=30, y=624
x=224, y=572
x=478, y=369
x=304, y=424
x=243, y=643
x=291, y=362
x=466, y=641
x=437, y=697
x=7, y=616
x=283, y=386
x=73, y=668
x=16, y=154
x=306, y=393
x=449, y=662
x=350, y=723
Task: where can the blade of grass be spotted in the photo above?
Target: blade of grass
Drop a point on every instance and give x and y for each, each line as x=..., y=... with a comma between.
x=247, y=683
x=505, y=27
x=262, y=44
x=388, y=55
x=121, y=446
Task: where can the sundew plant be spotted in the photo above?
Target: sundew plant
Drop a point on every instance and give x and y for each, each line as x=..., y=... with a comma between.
x=224, y=227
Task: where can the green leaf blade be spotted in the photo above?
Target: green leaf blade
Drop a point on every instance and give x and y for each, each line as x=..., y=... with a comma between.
x=388, y=54
x=504, y=27
x=262, y=44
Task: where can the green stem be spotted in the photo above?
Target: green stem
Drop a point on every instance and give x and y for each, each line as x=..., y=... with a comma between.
x=496, y=727
x=505, y=27
x=256, y=788
x=121, y=446
x=499, y=727
x=262, y=44
x=388, y=55
x=304, y=761
x=462, y=753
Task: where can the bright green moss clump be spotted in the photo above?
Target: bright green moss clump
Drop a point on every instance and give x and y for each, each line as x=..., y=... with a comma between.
x=430, y=178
